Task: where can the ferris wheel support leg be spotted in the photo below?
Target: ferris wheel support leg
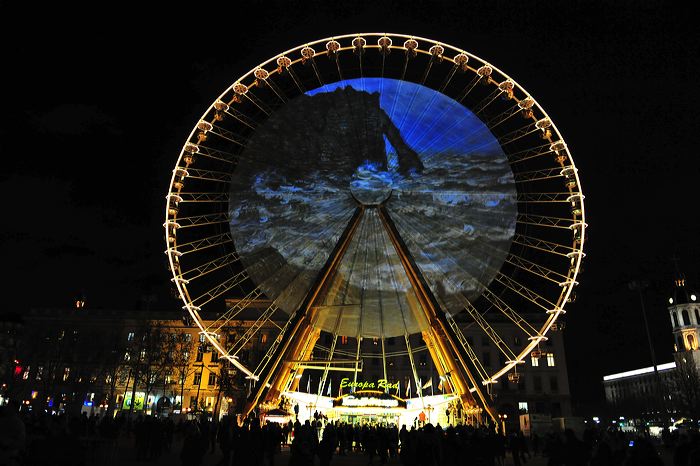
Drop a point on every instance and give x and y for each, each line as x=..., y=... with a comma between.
x=303, y=336
x=441, y=343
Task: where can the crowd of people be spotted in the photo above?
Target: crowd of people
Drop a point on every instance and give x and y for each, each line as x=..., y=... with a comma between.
x=35, y=438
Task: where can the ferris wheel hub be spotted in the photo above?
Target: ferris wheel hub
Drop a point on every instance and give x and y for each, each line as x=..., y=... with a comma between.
x=370, y=185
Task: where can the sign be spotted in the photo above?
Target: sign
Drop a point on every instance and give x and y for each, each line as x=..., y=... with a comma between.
x=365, y=385
x=138, y=406
x=369, y=399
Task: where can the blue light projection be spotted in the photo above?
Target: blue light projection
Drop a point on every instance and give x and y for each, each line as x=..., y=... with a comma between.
x=436, y=168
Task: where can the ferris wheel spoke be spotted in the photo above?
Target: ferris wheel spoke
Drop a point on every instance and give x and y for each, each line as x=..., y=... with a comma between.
x=199, y=271
x=468, y=88
x=546, y=221
x=231, y=313
x=510, y=313
x=473, y=358
x=267, y=80
x=536, y=269
x=495, y=121
x=543, y=245
x=499, y=304
x=527, y=293
x=194, y=150
x=486, y=101
x=224, y=134
x=487, y=328
x=240, y=117
x=202, y=220
x=544, y=198
x=536, y=151
x=255, y=326
x=203, y=197
x=542, y=174
x=204, y=243
x=220, y=289
x=208, y=175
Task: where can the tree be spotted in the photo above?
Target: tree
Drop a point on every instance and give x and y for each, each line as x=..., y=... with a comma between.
x=148, y=360
x=686, y=382
x=181, y=353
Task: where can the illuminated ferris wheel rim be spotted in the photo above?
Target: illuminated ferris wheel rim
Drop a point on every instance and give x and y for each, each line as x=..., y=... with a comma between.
x=384, y=42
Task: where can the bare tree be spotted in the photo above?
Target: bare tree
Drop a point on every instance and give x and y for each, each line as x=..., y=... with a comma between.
x=181, y=354
x=686, y=382
x=147, y=360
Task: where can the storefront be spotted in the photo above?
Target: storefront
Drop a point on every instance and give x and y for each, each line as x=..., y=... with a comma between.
x=374, y=407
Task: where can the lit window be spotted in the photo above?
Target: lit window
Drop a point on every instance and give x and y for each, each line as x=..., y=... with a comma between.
x=212, y=379
x=168, y=378
x=188, y=337
x=66, y=373
x=108, y=379
x=25, y=375
x=263, y=338
x=39, y=372
x=130, y=337
x=535, y=361
x=522, y=406
x=344, y=340
x=202, y=338
x=550, y=359
x=375, y=341
x=197, y=379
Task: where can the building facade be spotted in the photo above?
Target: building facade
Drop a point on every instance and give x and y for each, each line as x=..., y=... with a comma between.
x=86, y=360
x=649, y=392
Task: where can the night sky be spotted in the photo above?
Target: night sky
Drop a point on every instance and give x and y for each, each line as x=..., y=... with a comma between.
x=96, y=108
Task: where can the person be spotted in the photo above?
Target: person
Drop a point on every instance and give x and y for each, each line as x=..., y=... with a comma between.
x=12, y=436
x=327, y=445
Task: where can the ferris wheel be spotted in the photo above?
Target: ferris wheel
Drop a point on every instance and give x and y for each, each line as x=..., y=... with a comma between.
x=375, y=186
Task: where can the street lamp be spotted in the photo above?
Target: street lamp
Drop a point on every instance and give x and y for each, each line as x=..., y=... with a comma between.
x=639, y=286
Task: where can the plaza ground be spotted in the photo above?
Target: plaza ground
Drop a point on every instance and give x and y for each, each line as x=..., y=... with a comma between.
x=124, y=454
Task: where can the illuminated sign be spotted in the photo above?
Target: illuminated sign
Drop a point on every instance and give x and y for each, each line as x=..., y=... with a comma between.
x=369, y=399
x=138, y=406
x=364, y=385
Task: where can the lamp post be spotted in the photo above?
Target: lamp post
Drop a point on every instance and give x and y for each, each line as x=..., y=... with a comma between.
x=640, y=286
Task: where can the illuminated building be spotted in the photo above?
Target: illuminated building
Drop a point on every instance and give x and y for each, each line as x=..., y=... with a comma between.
x=639, y=391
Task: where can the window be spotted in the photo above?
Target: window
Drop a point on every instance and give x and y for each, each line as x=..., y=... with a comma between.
x=685, y=318
x=197, y=379
x=550, y=359
x=554, y=384
x=522, y=406
x=209, y=402
x=215, y=356
x=375, y=341
x=697, y=316
x=193, y=402
x=344, y=340
x=537, y=382
x=263, y=338
x=516, y=340
x=188, y=337
x=25, y=375
x=127, y=356
x=534, y=361
x=168, y=378
x=130, y=336
x=675, y=319
x=487, y=359
x=200, y=356
x=39, y=372
x=186, y=355
x=202, y=338
x=66, y=373
x=212, y=379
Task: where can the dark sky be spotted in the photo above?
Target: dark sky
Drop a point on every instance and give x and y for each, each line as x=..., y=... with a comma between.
x=98, y=103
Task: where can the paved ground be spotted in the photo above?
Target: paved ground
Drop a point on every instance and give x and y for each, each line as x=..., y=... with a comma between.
x=123, y=454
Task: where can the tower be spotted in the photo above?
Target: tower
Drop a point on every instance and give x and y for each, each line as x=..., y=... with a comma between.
x=684, y=311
